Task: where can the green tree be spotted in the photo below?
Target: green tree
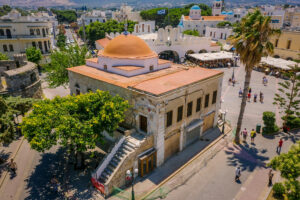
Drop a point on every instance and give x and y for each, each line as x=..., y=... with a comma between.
x=34, y=55
x=57, y=73
x=289, y=166
x=4, y=10
x=97, y=30
x=61, y=40
x=3, y=56
x=42, y=9
x=74, y=122
x=191, y=32
x=224, y=24
x=8, y=108
x=287, y=98
x=65, y=16
x=251, y=41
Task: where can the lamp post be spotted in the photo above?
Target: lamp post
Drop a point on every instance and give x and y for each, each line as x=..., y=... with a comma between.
x=224, y=118
x=132, y=177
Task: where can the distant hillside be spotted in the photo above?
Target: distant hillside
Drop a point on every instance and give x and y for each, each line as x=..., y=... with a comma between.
x=37, y=3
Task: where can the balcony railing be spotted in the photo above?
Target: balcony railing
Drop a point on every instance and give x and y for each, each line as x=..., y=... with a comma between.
x=23, y=36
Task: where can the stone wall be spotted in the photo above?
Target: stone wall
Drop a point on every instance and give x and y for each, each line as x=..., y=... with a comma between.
x=7, y=65
x=23, y=81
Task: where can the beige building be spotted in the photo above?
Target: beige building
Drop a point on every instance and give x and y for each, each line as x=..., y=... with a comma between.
x=292, y=17
x=20, y=32
x=287, y=45
x=172, y=105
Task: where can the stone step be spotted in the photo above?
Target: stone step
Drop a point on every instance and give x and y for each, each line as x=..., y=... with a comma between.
x=130, y=144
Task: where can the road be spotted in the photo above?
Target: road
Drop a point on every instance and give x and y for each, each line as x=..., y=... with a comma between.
x=35, y=170
x=216, y=180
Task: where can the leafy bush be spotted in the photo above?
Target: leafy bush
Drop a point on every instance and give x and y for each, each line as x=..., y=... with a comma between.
x=269, y=122
x=191, y=32
x=279, y=190
x=223, y=24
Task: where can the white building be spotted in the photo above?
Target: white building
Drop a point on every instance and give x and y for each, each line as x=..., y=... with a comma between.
x=170, y=39
x=217, y=8
x=276, y=13
x=197, y=22
x=17, y=33
x=126, y=12
x=144, y=28
x=218, y=33
x=93, y=16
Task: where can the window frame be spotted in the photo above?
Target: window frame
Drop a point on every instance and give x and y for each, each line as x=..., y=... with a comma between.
x=189, y=109
x=169, y=119
x=198, y=104
x=206, y=102
x=214, y=98
x=180, y=117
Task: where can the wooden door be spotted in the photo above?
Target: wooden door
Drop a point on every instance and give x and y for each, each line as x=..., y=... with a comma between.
x=208, y=122
x=172, y=145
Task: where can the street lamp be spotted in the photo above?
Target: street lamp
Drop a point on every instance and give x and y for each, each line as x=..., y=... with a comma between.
x=224, y=118
x=132, y=177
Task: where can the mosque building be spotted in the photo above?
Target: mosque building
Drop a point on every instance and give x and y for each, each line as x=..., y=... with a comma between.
x=172, y=106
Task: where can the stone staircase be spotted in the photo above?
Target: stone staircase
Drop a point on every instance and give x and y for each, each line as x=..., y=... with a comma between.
x=124, y=149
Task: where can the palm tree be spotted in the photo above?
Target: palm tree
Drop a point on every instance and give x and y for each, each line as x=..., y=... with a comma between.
x=251, y=41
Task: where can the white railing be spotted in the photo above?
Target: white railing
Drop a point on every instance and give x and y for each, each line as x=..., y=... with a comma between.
x=108, y=158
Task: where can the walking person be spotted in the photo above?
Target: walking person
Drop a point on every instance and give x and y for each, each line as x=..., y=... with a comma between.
x=252, y=135
x=255, y=97
x=245, y=134
x=240, y=92
x=278, y=150
x=13, y=166
x=250, y=90
x=270, y=177
x=261, y=97
x=249, y=97
x=237, y=174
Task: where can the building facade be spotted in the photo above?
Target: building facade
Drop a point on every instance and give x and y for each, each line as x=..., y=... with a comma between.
x=218, y=33
x=126, y=12
x=17, y=33
x=197, y=22
x=172, y=105
x=287, y=45
x=90, y=17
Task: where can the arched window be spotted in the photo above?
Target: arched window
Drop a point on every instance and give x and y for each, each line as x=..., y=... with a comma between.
x=41, y=46
x=38, y=32
x=8, y=33
x=31, y=31
x=44, y=33
x=33, y=44
x=5, y=47
x=11, y=47
x=1, y=32
x=105, y=67
x=45, y=45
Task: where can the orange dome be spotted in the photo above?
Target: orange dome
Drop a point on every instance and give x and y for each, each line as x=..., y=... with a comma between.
x=128, y=46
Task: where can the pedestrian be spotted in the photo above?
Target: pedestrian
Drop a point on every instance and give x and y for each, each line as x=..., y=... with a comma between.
x=233, y=81
x=255, y=97
x=250, y=90
x=261, y=97
x=229, y=81
x=270, y=177
x=249, y=96
x=245, y=134
x=13, y=166
x=237, y=174
x=278, y=150
x=252, y=135
x=240, y=92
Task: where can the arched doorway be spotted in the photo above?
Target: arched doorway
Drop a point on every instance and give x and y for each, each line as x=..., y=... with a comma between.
x=187, y=57
x=203, y=51
x=276, y=56
x=169, y=55
x=8, y=33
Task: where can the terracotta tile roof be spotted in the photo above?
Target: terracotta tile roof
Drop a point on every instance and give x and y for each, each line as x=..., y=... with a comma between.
x=162, y=61
x=127, y=68
x=94, y=60
x=103, y=42
x=156, y=83
x=176, y=80
x=207, y=18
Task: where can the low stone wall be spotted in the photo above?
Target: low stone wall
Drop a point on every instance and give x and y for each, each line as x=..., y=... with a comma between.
x=32, y=91
x=7, y=65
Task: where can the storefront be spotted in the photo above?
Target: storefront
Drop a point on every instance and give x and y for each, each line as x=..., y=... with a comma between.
x=147, y=162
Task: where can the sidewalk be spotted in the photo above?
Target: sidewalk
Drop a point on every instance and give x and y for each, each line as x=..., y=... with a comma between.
x=158, y=176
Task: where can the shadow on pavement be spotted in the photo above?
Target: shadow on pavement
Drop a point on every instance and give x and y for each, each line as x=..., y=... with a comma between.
x=246, y=156
x=3, y=161
x=38, y=183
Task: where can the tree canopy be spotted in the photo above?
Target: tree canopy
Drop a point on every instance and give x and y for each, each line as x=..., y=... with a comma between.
x=74, y=122
x=65, y=16
x=191, y=32
x=172, y=15
x=57, y=73
x=3, y=56
x=33, y=55
x=224, y=24
x=287, y=98
x=4, y=10
x=97, y=30
x=8, y=108
x=289, y=166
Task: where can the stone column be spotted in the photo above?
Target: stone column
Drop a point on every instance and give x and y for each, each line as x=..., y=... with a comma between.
x=160, y=136
x=218, y=103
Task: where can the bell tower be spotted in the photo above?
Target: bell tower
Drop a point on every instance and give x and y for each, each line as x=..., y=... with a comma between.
x=217, y=7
